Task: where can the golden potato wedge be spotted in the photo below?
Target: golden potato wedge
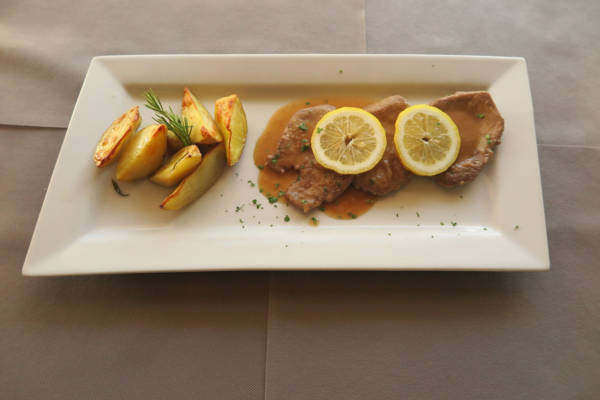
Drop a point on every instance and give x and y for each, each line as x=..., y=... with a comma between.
x=198, y=182
x=173, y=142
x=180, y=165
x=115, y=136
x=143, y=154
x=231, y=120
x=204, y=129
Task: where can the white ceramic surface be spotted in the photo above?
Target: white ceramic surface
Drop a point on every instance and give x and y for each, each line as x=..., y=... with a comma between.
x=85, y=228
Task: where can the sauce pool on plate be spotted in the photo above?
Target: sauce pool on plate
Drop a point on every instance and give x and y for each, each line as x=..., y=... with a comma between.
x=351, y=204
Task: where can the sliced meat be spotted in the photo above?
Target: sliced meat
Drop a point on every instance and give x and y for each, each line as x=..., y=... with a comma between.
x=315, y=183
x=389, y=174
x=293, y=149
x=480, y=126
x=315, y=186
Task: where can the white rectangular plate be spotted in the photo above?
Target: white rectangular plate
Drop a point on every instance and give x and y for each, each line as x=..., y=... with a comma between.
x=84, y=227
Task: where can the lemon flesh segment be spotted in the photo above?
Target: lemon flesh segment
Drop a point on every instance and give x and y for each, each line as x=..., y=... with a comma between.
x=348, y=140
x=426, y=139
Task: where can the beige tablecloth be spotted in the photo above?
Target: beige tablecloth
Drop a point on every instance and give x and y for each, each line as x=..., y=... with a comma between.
x=294, y=336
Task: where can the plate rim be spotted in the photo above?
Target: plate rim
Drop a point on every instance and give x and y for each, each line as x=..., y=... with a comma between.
x=29, y=269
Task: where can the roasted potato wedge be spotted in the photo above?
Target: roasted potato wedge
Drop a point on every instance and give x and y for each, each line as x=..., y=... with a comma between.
x=231, y=120
x=143, y=154
x=198, y=182
x=180, y=165
x=204, y=129
x=115, y=136
x=173, y=142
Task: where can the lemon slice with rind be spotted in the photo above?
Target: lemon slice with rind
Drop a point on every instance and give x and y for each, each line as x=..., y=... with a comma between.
x=426, y=139
x=348, y=140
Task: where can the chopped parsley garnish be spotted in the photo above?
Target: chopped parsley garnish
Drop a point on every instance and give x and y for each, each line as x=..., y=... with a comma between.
x=418, y=215
x=241, y=221
x=239, y=208
x=516, y=227
x=298, y=178
x=305, y=147
x=340, y=71
x=319, y=130
x=260, y=166
x=480, y=116
x=314, y=220
x=488, y=139
x=352, y=215
x=453, y=223
x=389, y=234
x=287, y=218
x=272, y=199
x=370, y=201
x=276, y=185
x=304, y=201
x=485, y=229
x=371, y=181
x=397, y=215
x=280, y=193
x=303, y=127
x=275, y=158
x=325, y=190
x=322, y=208
x=257, y=204
x=252, y=184
x=307, y=103
x=441, y=223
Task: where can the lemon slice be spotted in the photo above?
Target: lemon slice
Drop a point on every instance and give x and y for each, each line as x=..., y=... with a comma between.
x=348, y=140
x=426, y=139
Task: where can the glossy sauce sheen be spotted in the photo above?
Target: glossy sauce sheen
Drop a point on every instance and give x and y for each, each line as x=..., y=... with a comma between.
x=351, y=204
x=469, y=129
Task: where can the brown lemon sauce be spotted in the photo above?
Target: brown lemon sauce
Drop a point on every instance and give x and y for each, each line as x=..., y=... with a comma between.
x=351, y=204
x=469, y=127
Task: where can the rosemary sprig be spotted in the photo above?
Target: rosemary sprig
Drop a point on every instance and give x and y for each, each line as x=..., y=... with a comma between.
x=176, y=124
x=118, y=189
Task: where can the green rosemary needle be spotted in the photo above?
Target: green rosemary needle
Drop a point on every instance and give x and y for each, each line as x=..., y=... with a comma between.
x=176, y=124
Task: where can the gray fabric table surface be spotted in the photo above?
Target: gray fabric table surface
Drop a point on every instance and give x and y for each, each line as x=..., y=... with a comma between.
x=284, y=335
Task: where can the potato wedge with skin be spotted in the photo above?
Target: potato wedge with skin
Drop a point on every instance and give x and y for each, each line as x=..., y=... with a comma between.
x=180, y=165
x=173, y=142
x=143, y=154
x=115, y=136
x=231, y=119
x=204, y=129
x=198, y=182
